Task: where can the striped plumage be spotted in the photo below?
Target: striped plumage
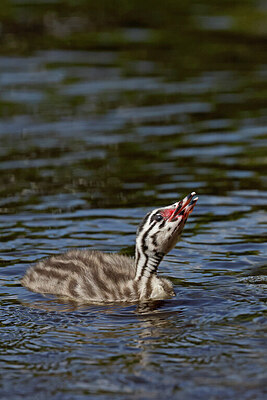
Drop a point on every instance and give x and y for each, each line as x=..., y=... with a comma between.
x=92, y=276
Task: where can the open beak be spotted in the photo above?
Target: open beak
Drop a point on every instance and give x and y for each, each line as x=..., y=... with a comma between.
x=184, y=207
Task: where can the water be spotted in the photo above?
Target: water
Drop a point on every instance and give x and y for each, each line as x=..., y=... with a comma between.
x=97, y=129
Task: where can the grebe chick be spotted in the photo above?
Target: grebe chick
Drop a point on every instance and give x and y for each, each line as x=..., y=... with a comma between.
x=91, y=276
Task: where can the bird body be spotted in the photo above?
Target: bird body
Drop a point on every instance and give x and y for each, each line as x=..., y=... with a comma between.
x=93, y=276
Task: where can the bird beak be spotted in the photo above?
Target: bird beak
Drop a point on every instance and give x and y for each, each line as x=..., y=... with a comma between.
x=184, y=207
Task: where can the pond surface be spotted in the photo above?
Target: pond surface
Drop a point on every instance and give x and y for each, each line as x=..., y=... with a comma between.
x=94, y=135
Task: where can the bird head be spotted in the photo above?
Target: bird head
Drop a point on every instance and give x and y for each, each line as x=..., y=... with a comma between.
x=161, y=228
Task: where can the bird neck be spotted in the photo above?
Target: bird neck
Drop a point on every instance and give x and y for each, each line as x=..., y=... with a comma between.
x=146, y=265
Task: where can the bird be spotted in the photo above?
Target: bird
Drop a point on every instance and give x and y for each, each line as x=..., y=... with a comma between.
x=91, y=276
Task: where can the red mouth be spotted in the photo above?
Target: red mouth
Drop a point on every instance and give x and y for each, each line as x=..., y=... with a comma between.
x=183, y=208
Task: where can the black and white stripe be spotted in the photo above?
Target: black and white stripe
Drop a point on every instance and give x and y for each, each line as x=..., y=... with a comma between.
x=93, y=276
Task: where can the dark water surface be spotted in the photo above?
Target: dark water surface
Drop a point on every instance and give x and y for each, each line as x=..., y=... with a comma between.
x=97, y=126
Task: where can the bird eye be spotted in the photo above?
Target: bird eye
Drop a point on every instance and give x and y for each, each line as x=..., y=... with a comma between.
x=157, y=217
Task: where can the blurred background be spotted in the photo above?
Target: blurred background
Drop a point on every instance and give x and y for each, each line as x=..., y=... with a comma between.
x=129, y=102
x=109, y=109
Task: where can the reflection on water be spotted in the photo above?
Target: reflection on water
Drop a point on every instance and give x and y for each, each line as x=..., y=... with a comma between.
x=96, y=127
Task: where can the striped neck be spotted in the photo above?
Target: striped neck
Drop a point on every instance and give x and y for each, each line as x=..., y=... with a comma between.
x=146, y=265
